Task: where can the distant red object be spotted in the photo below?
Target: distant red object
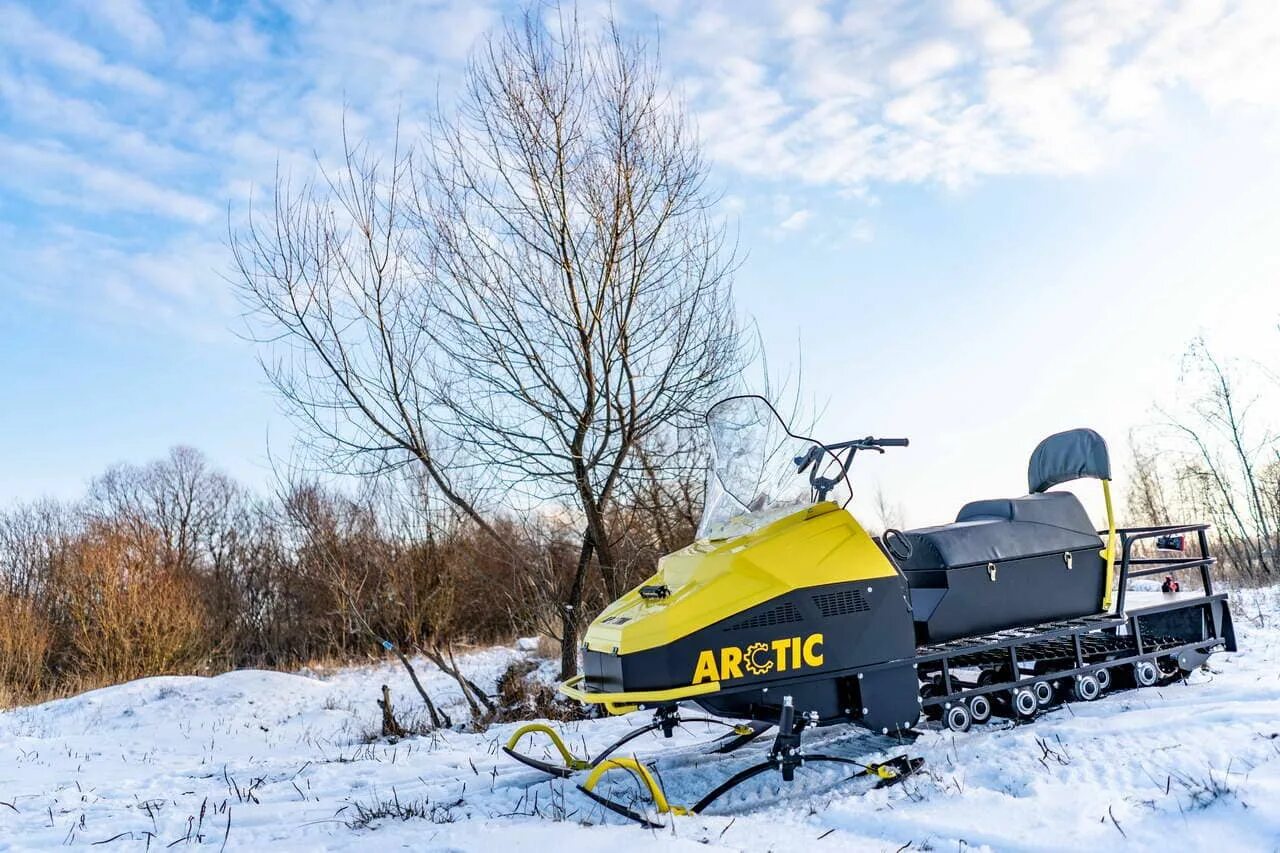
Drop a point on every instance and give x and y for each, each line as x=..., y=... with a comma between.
x=1170, y=585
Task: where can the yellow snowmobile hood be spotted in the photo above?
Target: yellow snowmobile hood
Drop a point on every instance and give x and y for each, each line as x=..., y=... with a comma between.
x=711, y=580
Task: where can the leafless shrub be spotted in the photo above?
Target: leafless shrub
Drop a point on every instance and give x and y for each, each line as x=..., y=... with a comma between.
x=92, y=593
x=125, y=614
x=25, y=644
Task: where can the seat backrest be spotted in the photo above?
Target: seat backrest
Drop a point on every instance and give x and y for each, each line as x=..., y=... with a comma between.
x=1067, y=456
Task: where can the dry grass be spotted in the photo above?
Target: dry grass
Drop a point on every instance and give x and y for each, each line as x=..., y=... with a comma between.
x=548, y=647
x=521, y=697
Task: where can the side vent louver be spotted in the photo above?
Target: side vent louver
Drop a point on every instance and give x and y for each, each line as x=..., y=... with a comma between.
x=783, y=614
x=842, y=602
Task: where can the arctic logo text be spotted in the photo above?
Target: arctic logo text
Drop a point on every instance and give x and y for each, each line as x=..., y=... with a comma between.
x=784, y=655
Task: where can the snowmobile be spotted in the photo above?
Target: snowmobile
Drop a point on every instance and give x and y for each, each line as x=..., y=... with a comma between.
x=785, y=612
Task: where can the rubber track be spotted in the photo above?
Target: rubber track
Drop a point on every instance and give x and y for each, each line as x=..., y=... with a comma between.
x=1096, y=647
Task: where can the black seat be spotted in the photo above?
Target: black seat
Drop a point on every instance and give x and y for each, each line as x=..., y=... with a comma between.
x=1013, y=562
x=992, y=531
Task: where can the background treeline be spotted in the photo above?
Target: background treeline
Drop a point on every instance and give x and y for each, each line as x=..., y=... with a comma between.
x=1213, y=454
x=173, y=567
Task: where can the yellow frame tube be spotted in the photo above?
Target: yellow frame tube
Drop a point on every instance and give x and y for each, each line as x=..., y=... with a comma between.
x=1110, y=553
x=635, y=768
x=570, y=760
x=636, y=697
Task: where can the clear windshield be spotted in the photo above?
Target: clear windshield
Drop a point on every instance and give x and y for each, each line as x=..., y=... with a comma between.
x=752, y=478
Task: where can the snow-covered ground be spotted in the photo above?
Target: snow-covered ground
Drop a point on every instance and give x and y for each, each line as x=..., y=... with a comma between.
x=265, y=760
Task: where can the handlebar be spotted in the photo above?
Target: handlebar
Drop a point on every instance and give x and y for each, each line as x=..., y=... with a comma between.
x=823, y=485
x=870, y=443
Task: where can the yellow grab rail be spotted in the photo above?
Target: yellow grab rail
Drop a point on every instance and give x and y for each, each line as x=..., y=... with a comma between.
x=635, y=697
x=1110, y=553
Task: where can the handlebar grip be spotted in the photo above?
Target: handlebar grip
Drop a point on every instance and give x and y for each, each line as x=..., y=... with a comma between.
x=892, y=442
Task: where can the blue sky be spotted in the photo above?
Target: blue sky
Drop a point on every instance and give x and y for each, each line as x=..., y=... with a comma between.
x=979, y=222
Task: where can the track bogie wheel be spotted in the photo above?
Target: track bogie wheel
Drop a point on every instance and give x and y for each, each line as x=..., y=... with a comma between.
x=979, y=709
x=958, y=718
x=1086, y=688
x=1044, y=693
x=1169, y=670
x=993, y=675
x=1145, y=673
x=1104, y=679
x=1024, y=703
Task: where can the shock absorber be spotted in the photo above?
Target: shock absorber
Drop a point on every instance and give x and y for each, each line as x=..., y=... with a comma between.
x=786, y=746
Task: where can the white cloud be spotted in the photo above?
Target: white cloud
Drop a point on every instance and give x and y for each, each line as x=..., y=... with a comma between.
x=898, y=92
x=916, y=108
x=862, y=231
x=26, y=35
x=58, y=177
x=122, y=106
x=208, y=44
x=998, y=33
x=175, y=284
x=36, y=104
x=163, y=111
x=796, y=221
x=802, y=18
x=924, y=62
x=129, y=18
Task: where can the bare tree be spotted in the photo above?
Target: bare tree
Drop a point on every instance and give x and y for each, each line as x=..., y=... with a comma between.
x=1148, y=499
x=579, y=278
x=520, y=307
x=180, y=497
x=1225, y=464
x=35, y=540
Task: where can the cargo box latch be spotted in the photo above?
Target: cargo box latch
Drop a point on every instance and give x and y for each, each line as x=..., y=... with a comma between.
x=991, y=571
x=1066, y=558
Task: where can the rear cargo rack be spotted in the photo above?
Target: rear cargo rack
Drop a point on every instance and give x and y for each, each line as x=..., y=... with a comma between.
x=1147, y=566
x=1180, y=628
